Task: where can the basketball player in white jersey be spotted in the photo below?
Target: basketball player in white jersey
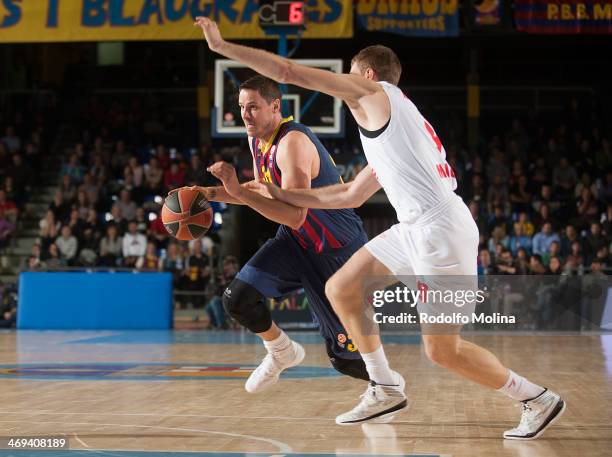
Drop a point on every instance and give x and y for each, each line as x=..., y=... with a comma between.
x=435, y=236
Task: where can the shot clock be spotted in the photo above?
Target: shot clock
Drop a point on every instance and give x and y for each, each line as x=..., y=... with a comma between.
x=281, y=13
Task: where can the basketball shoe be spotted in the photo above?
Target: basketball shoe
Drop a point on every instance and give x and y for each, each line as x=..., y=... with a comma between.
x=538, y=414
x=379, y=403
x=273, y=364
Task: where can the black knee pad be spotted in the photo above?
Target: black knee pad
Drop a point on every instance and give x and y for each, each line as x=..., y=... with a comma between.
x=355, y=368
x=245, y=304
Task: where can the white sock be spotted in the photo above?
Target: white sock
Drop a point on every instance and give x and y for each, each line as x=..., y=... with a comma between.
x=281, y=346
x=378, y=367
x=519, y=388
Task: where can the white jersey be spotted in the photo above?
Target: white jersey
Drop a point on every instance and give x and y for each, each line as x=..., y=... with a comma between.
x=409, y=160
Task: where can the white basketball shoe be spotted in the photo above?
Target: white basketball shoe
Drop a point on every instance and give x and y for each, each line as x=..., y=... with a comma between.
x=273, y=364
x=379, y=403
x=539, y=413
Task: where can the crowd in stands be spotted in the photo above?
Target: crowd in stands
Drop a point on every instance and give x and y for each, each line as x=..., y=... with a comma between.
x=541, y=197
x=26, y=128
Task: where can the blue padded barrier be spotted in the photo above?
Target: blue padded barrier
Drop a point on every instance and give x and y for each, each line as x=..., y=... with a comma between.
x=94, y=300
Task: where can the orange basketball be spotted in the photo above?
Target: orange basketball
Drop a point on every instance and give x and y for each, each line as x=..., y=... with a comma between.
x=187, y=214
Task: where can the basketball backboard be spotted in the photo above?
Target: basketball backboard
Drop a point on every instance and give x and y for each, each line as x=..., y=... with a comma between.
x=320, y=112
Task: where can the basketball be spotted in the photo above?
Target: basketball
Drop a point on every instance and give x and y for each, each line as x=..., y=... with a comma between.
x=187, y=214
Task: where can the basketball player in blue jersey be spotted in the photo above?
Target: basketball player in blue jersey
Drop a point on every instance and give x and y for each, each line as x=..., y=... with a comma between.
x=309, y=246
x=436, y=238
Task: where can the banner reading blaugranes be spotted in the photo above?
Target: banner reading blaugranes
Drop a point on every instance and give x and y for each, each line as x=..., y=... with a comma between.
x=122, y=20
x=427, y=18
x=564, y=17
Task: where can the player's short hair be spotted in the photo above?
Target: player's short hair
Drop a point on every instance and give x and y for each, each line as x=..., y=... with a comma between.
x=265, y=87
x=382, y=60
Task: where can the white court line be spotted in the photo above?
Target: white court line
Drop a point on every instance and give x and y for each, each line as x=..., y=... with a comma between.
x=282, y=447
x=209, y=416
x=83, y=443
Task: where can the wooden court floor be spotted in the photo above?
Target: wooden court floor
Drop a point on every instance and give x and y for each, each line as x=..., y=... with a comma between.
x=116, y=393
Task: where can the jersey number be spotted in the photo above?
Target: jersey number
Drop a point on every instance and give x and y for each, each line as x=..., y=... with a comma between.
x=433, y=135
x=444, y=170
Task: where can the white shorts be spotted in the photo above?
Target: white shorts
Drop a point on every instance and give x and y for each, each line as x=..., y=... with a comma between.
x=440, y=250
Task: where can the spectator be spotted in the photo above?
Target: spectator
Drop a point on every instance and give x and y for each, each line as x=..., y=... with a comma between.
x=545, y=216
x=173, y=262
x=76, y=224
x=546, y=197
x=116, y=218
x=587, y=207
x=142, y=220
x=174, y=177
x=564, y=177
x=73, y=169
x=607, y=221
x=68, y=189
x=520, y=197
x=11, y=140
x=497, y=194
x=151, y=260
x=127, y=205
x=153, y=176
x=554, y=266
x=553, y=251
x=499, y=237
x=519, y=240
x=111, y=247
x=214, y=308
x=10, y=209
x=567, y=239
x=478, y=218
x=196, y=173
x=536, y=267
x=497, y=218
x=197, y=271
x=6, y=228
x=575, y=257
x=504, y=265
x=528, y=228
x=21, y=175
x=137, y=171
x=594, y=240
x=91, y=189
x=158, y=232
x=49, y=230
x=522, y=261
x=485, y=264
x=82, y=204
x=67, y=245
x=543, y=239
x=134, y=245
x=603, y=257
x=585, y=183
x=497, y=166
x=60, y=207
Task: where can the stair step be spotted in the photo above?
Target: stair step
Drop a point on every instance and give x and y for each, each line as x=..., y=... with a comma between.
x=8, y=279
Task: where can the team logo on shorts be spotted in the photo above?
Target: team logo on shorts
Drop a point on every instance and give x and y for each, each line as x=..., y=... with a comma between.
x=341, y=338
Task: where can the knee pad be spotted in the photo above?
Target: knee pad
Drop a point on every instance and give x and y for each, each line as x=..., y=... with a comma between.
x=245, y=304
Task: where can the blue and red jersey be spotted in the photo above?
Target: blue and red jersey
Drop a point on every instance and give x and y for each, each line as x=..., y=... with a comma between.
x=324, y=230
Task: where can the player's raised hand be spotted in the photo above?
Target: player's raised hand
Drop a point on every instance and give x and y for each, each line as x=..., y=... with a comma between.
x=226, y=173
x=211, y=32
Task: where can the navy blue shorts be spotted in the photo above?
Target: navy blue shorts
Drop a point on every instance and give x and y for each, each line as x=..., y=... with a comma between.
x=282, y=266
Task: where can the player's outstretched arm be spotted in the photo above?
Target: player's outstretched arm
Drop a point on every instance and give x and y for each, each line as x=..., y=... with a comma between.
x=216, y=194
x=346, y=195
x=348, y=87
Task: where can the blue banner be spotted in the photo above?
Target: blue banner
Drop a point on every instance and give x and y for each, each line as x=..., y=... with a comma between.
x=426, y=18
